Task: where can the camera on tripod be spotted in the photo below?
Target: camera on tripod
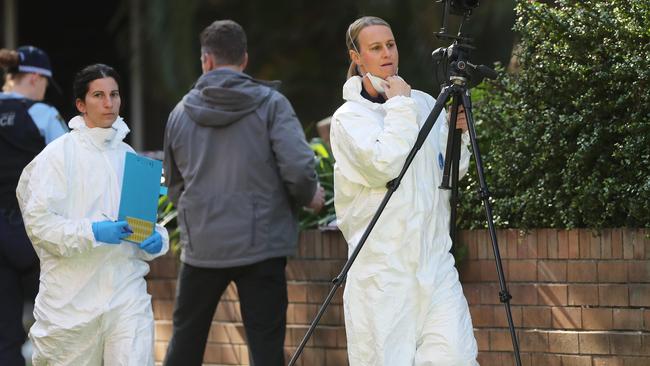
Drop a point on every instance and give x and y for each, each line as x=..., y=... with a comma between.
x=451, y=64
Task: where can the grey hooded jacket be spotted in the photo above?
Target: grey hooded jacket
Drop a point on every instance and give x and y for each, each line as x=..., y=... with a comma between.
x=238, y=167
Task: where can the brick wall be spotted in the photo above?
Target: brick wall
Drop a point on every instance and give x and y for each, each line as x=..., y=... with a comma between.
x=578, y=299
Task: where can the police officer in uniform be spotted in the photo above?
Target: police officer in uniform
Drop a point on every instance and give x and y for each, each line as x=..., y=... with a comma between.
x=26, y=126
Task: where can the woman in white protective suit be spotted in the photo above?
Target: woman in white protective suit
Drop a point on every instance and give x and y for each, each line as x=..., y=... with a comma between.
x=92, y=307
x=403, y=301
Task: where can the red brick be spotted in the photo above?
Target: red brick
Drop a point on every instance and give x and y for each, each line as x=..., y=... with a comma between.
x=162, y=309
x=594, y=343
x=482, y=315
x=646, y=242
x=629, y=239
x=563, y=244
x=512, y=236
x=542, y=359
x=472, y=293
x=612, y=271
x=597, y=318
x=522, y=270
x=523, y=294
x=490, y=294
x=313, y=357
x=583, y=295
x=488, y=270
x=501, y=319
x=625, y=344
x=336, y=357
x=617, y=243
x=482, y=337
x=162, y=289
x=502, y=240
x=607, y=361
x=530, y=245
x=636, y=361
x=628, y=319
x=552, y=271
x=163, y=330
x=483, y=244
x=582, y=271
x=297, y=292
x=552, y=294
x=639, y=244
x=606, y=244
x=500, y=340
x=585, y=236
x=576, y=360
x=640, y=295
x=573, y=244
x=638, y=271
x=533, y=341
x=563, y=342
x=542, y=243
x=536, y=316
x=221, y=354
x=325, y=337
x=613, y=295
x=645, y=344
x=566, y=317
x=552, y=243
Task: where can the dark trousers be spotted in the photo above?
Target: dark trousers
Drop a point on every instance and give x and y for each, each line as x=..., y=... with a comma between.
x=262, y=289
x=19, y=270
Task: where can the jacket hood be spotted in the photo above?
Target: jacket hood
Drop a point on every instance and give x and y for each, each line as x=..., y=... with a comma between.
x=223, y=96
x=352, y=93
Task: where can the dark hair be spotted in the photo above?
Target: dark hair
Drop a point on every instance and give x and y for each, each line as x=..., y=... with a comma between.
x=226, y=41
x=9, y=60
x=84, y=77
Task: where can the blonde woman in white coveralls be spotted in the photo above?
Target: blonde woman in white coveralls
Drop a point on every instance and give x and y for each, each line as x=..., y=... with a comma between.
x=403, y=302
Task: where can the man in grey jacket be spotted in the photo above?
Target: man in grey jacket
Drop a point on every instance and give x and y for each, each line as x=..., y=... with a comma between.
x=238, y=168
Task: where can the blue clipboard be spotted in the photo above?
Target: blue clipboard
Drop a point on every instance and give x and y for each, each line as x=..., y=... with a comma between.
x=139, y=198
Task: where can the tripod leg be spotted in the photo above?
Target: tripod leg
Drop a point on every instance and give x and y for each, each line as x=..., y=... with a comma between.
x=450, y=142
x=504, y=295
x=453, y=200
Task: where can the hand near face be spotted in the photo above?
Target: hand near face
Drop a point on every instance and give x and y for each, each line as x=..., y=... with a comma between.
x=397, y=86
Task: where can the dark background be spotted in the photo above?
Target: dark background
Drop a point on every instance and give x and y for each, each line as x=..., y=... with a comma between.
x=300, y=42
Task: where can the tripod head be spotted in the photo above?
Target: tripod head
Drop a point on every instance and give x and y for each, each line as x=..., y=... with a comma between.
x=451, y=64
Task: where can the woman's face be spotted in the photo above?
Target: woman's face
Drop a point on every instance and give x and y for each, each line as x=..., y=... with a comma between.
x=379, y=54
x=101, y=105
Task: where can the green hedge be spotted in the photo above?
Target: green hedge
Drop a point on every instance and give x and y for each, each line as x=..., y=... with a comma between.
x=565, y=137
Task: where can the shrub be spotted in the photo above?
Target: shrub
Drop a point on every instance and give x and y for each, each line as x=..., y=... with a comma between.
x=565, y=138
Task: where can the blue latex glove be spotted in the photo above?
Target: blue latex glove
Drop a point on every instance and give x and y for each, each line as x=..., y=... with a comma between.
x=152, y=244
x=111, y=232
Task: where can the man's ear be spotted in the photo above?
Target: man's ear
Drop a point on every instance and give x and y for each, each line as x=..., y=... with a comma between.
x=245, y=62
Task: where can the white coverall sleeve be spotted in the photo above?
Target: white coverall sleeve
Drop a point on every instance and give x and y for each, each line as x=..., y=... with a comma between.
x=42, y=189
x=374, y=152
x=165, y=247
